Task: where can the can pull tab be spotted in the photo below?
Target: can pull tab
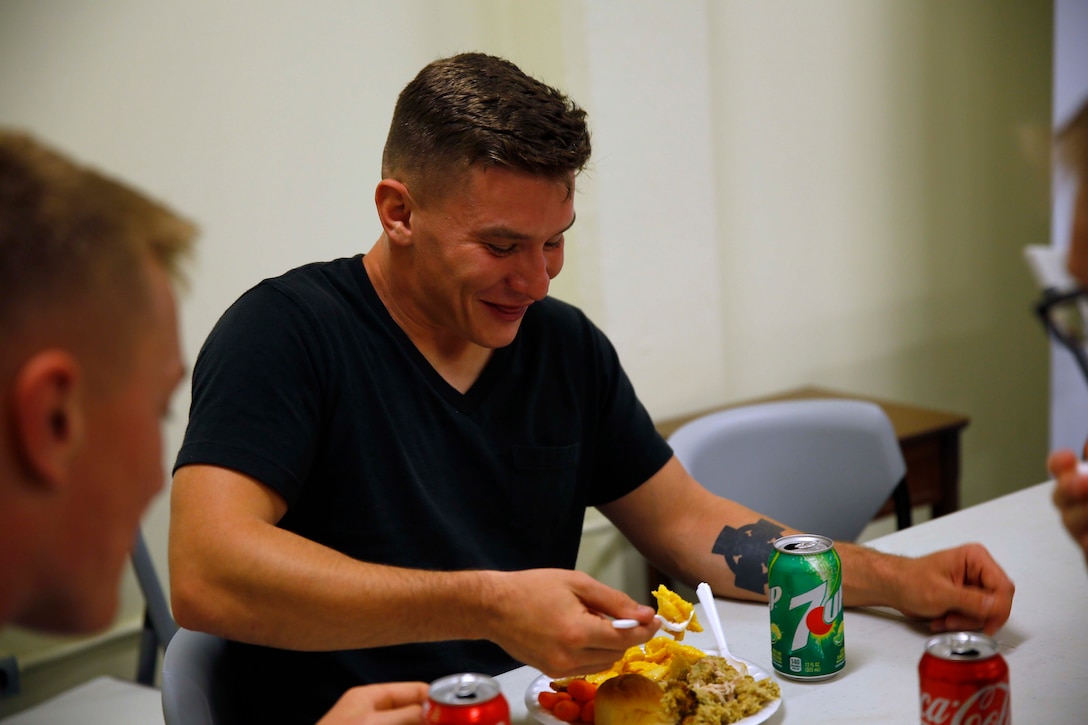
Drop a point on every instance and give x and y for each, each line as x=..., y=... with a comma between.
x=466, y=690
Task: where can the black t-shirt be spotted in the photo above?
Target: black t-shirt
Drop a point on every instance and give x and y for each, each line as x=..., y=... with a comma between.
x=308, y=385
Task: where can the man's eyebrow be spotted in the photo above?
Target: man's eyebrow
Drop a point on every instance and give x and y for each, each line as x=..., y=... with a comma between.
x=513, y=235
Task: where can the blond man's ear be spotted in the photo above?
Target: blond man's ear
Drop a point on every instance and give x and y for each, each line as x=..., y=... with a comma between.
x=47, y=416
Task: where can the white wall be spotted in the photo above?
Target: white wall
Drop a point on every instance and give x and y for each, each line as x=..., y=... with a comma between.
x=781, y=193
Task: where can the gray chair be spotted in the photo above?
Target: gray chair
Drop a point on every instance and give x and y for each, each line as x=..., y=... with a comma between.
x=1063, y=303
x=194, y=690
x=159, y=626
x=822, y=466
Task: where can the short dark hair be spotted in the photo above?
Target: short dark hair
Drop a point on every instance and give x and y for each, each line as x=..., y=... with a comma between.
x=474, y=109
x=69, y=234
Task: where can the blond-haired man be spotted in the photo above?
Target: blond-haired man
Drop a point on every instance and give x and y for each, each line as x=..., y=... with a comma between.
x=89, y=360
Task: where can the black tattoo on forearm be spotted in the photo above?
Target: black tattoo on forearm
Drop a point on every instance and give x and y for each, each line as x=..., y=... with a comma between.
x=746, y=551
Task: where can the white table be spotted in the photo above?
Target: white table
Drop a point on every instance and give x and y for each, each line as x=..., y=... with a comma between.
x=1045, y=640
x=101, y=701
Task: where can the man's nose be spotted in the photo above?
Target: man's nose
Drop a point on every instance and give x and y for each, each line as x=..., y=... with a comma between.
x=532, y=277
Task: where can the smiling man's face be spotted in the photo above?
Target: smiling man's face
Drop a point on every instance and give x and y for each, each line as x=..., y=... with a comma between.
x=488, y=249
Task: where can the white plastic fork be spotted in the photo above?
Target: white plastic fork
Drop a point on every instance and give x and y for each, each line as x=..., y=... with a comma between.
x=666, y=624
x=710, y=612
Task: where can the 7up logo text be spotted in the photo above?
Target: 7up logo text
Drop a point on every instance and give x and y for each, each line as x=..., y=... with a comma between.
x=819, y=616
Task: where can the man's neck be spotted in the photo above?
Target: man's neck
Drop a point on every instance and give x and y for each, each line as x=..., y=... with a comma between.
x=458, y=361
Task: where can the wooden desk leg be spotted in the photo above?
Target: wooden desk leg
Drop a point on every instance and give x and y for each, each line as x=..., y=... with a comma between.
x=950, y=475
x=901, y=496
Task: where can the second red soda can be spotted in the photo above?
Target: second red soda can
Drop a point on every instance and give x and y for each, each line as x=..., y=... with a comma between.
x=468, y=698
x=964, y=679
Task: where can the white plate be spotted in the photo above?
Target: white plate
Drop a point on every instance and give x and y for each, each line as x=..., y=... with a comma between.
x=543, y=682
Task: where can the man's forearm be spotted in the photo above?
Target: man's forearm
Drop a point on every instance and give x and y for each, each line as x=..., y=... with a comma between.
x=274, y=588
x=869, y=577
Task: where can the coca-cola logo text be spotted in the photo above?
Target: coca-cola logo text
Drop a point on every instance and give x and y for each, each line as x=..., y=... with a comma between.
x=986, y=706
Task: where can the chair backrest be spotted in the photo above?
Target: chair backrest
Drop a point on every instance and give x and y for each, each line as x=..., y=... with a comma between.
x=159, y=626
x=1063, y=304
x=194, y=689
x=824, y=466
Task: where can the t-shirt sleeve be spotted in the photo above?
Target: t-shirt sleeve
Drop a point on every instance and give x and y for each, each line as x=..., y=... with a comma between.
x=256, y=393
x=630, y=449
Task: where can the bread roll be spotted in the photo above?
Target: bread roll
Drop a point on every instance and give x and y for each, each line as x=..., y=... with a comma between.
x=629, y=700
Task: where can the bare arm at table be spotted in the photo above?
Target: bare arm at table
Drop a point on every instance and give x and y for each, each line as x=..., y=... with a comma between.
x=696, y=536
x=235, y=574
x=1077, y=260
x=1071, y=495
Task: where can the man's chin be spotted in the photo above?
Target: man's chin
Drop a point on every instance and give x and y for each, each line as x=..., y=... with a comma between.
x=494, y=339
x=497, y=343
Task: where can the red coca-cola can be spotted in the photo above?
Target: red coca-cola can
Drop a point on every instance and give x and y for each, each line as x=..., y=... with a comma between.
x=466, y=699
x=964, y=681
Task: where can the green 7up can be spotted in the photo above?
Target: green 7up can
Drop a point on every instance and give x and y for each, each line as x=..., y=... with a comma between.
x=804, y=575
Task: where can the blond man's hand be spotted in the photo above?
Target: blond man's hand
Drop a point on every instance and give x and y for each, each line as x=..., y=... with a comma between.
x=391, y=703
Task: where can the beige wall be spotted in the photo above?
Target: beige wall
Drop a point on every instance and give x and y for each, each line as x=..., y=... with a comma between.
x=782, y=193
x=830, y=193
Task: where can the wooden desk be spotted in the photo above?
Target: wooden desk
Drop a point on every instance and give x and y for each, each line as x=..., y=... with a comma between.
x=930, y=440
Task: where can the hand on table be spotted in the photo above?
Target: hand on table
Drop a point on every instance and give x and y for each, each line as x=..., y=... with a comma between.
x=956, y=589
x=1071, y=495
x=391, y=703
x=552, y=619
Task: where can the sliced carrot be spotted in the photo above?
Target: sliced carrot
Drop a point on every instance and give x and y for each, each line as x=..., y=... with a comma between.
x=567, y=710
x=547, y=699
x=581, y=690
x=588, y=711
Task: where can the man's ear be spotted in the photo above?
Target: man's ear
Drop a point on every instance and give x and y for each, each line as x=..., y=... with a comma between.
x=395, y=206
x=47, y=416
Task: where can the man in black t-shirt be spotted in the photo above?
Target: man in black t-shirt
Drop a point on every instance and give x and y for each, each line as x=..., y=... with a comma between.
x=389, y=456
